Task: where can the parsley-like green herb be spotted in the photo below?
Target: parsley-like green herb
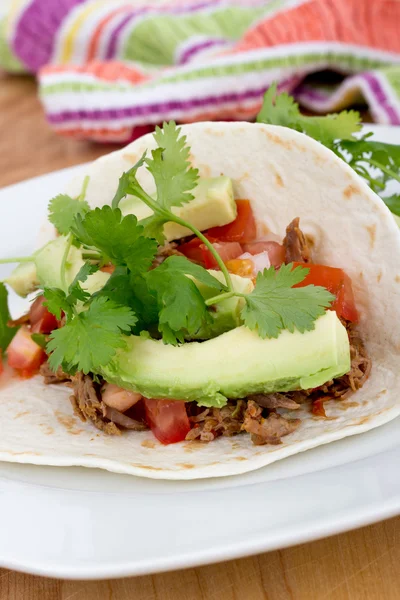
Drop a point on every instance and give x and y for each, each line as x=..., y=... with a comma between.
x=6, y=333
x=62, y=211
x=376, y=162
x=119, y=239
x=182, y=309
x=275, y=304
x=90, y=339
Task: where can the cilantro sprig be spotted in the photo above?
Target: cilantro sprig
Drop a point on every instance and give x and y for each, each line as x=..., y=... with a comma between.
x=376, y=162
x=174, y=178
x=275, y=304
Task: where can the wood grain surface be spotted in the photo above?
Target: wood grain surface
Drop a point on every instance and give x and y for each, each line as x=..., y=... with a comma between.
x=361, y=564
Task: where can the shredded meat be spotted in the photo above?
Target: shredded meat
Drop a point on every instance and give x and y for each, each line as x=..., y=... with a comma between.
x=295, y=244
x=272, y=401
x=267, y=430
x=163, y=252
x=17, y=322
x=213, y=422
x=50, y=377
x=87, y=404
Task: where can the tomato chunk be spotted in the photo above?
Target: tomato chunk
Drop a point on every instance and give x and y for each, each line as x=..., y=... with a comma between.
x=1, y=362
x=41, y=320
x=167, y=419
x=242, y=229
x=276, y=252
x=193, y=250
x=338, y=283
x=226, y=250
x=24, y=354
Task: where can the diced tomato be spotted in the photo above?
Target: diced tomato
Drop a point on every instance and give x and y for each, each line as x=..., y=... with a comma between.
x=276, y=252
x=338, y=283
x=242, y=229
x=167, y=419
x=108, y=269
x=41, y=320
x=192, y=250
x=226, y=250
x=1, y=362
x=24, y=354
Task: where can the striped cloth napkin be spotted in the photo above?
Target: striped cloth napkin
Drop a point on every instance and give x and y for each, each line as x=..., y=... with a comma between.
x=109, y=70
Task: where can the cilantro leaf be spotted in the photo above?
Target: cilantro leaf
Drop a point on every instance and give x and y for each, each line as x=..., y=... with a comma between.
x=75, y=289
x=6, y=333
x=90, y=339
x=40, y=339
x=274, y=304
x=283, y=110
x=57, y=302
x=153, y=227
x=170, y=167
x=182, y=309
x=393, y=203
x=119, y=239
x=129, y=289
x=180, y=264
x=125, y=182
x=62, y=212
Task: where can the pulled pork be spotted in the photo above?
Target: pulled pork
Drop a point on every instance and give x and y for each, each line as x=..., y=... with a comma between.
x=266, y=430
x=163, y=252
x=87, y=404
x=295, y=244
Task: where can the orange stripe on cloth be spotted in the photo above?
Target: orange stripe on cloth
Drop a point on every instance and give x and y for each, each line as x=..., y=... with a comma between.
x=102, y=135
x=107, y=71
x=369, y=23
x=94, y=43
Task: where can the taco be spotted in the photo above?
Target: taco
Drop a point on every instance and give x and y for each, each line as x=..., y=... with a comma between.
x=261, y=321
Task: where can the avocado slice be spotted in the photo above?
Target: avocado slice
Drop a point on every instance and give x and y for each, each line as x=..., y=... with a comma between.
x=234, y=364
x=213, y=205
x=23, y=279
x=45, y=269
x=226, y=314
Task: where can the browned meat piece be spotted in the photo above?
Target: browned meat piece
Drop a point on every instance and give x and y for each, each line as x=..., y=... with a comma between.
x=267, y=430
x=87, y=404
x=122, y=420
x=295, y=244
x=17, y=322
x=272, y=401
x=213, y=422
x=163, y=252
x=50, y=377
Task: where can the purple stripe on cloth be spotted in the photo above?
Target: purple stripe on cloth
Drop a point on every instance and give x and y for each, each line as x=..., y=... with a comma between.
x=163, y=108
x=36, y=29
x=310, y=94
x=381, y=97
x=199, y=47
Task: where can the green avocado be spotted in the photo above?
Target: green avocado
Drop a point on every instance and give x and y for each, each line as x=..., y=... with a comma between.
x=234, y=364
x=226, y=314
x=23, y=279
x=213, y=205
x=45, y=270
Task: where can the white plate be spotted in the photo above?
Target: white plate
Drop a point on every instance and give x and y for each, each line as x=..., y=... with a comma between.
x=82, y=523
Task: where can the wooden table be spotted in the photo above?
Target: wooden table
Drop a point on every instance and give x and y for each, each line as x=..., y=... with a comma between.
x=360, y=564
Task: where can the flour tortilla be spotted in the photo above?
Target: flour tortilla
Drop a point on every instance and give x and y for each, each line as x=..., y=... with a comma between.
x=284, y=174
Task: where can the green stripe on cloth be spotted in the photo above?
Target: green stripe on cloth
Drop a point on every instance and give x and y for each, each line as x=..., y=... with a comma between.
x=8, y=61
x=154, y=39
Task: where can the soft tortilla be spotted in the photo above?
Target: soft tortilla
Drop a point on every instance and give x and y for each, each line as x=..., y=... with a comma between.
x=285, y=174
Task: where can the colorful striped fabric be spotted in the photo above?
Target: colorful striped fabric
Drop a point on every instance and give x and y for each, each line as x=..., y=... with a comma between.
x=110, y=69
